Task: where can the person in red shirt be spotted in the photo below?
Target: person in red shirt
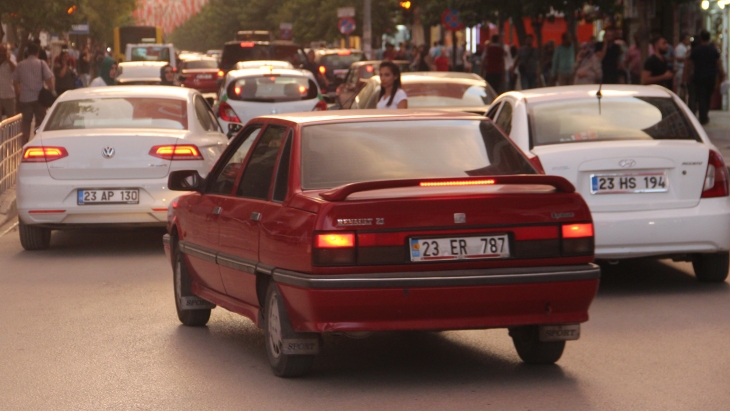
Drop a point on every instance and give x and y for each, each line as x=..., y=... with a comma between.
x=390, y=53
x=493, y=69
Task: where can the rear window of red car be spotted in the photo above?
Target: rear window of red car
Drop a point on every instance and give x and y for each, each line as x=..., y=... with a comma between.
x=336, y=154
x=201, y=64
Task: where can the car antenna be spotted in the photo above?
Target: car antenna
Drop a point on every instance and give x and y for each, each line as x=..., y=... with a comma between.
x=599, y=95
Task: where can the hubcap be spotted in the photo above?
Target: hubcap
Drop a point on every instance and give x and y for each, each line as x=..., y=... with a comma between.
x=274, y=326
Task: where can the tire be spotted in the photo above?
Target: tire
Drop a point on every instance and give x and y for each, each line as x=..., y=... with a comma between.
x=182, y=284
x=34, y=238
x=277, y=328
x=533, y=351
x=711, y=268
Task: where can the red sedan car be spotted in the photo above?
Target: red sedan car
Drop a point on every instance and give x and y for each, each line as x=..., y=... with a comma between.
x=200, y=74
x=392, y=220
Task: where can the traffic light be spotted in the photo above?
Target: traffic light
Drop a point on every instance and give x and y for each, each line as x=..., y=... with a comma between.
x=406, y=4
x=71, y=9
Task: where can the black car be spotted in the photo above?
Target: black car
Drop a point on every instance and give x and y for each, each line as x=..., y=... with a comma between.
x=235, y=51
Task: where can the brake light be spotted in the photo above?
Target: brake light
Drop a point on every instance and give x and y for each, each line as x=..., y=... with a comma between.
x=221, y=73
x=322, y=70
x=578, y=230
x=176, y=152
x=535, y=161
x=226, y=113
x=369, y=69
x=174, y=69
x=716, y=177
x=457, y=183
x=247, y=44
x=320, y=106
x=344, y=53
x=43, y=154
x=335, y=240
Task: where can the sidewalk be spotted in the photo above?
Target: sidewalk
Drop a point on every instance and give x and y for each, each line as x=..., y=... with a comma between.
x=7, y=206
x=718, y=129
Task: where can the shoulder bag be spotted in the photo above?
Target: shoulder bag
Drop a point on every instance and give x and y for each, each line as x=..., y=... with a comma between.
x=46, y=98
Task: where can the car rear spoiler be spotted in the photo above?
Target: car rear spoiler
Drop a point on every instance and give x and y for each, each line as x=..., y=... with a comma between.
x=342, y=192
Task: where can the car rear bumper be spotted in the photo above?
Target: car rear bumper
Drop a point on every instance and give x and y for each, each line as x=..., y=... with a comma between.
x=704, y=228
x=439, y=300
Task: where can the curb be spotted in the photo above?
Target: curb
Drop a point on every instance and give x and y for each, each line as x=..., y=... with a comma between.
x=8, y=210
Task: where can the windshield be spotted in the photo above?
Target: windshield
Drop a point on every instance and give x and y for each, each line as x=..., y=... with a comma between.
x=272, y=88
x=619, y=118
x=244, y=51
x=370, y=70
x=447, y=94
x=151, y=53
x=337, y=154
x=339, y=62
x=201, y=64
x=103, y=113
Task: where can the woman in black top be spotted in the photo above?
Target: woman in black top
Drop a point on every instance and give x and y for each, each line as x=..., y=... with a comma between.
x=65, y=75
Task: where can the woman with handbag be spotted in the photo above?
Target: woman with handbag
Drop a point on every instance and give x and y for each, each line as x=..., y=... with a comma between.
x=31, y=77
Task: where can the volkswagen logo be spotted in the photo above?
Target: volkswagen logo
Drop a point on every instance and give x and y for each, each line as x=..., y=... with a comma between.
x=107, y=152
x=627, y=163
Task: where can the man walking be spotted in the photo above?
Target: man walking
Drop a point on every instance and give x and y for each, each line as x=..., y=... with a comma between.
x=563, y=60
x=680, y=54
x=528, y=63
x=7, y=93
x=610, y=57
x=30, y=77
x=704, y=62
x=656, y=68
x=493, y=64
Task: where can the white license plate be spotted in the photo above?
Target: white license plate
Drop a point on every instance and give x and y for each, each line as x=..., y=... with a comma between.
x=460, y=248
x=205, y=76
x=108, y=196
x=629, y=183
x=565, y=332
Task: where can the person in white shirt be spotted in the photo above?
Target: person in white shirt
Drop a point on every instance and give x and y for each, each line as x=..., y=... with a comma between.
x=680, y=55
x=392, y=95
x=107, y=73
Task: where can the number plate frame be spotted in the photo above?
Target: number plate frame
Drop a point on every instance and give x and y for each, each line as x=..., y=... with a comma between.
x=204, y=76
x=596, y=191
x=100, y=191
x=416, y=254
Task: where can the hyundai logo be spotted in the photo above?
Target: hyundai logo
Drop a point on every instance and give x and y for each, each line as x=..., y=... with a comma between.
x=107, y=152
x=627, y=163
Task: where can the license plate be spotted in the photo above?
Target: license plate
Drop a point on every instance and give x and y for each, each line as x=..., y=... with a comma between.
x=565, y=332
x=460, y=248
x=205, y=76
x=108, y=196
x=629, y=183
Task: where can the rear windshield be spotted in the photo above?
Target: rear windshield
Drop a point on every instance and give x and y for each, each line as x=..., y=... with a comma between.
x=339, y=62
x=272, y=89
x=615, y=118
x=201, y=64
x=337, y=154
x=151, y=53
x=157, y=113
x=371, y=70
x=447, y=94
x=233, y=53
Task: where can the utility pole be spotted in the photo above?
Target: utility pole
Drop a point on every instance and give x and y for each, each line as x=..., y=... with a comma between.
x=367, y=29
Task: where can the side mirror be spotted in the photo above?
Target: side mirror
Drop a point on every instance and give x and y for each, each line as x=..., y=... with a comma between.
x=233, y=129
x=185, y=180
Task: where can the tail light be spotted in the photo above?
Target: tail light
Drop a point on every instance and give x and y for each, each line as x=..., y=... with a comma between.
x=320, y=106
x=322, y=70
x=578, y=239
x=334, y=249
x=176, y=152
x=43, y=154
x=456, y=183
x=226, y=113
x=716, y=178
x=535, y=161
x=221, y=73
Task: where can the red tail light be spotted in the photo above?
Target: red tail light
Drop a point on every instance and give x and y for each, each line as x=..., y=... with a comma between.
x=226, y=113
x=578, y=230
x=176, y=152
x=457, y=183
x=344, y=53
x=535, y=161
x=320, y=106
x=322, y=70
x=247, y=44
x=221, y=73
x=332, y=249
x=335, y=240
x=716, y=178
x=578, y=239
x=43, y=154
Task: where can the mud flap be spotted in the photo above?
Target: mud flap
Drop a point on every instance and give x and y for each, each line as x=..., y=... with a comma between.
x=194, y=303
x=564, y=332
x=300, y=346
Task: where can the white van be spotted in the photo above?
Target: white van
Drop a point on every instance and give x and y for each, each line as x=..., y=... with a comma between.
x=152, y=52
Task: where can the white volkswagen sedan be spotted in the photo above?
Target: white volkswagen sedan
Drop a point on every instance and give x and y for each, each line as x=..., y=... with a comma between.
x=253, y=92
x=656, y=185
x=102, y=155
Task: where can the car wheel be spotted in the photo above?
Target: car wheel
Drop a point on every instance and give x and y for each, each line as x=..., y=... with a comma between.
x=191, y=317
x=34, y=238
x=533, y=351
x=277, y=329
x=711, y=268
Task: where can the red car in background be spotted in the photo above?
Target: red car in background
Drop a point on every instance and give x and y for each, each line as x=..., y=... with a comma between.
x=391, y=220
x=200, y=74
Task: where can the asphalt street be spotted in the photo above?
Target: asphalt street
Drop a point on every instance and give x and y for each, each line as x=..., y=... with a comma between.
x=90, y=325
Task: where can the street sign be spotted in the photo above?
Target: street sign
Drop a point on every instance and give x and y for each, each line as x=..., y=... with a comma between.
x=82, y=28
x=285, y=31
x=345, y=12
x=450, y=20
x=346, y=25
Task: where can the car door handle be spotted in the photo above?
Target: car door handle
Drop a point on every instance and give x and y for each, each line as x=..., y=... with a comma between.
x=217, y=210
x=256, y=216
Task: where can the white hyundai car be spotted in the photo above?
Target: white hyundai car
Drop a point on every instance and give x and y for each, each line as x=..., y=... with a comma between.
x=656, y=185
x=260, y=91
x=102, y=156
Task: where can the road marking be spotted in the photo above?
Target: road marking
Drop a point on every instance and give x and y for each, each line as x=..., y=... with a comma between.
x=9, y=229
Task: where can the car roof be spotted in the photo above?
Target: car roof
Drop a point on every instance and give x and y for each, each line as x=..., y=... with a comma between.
x=258, y=71
x=336, y=51
x=131, y=64
x=349, y=116
x=373, y=62
x=128, y=91
x=589, y=90
x=428, y=77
